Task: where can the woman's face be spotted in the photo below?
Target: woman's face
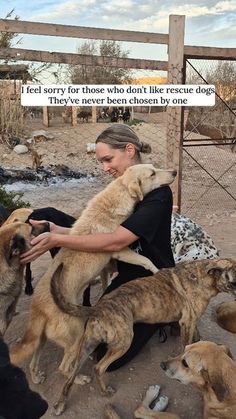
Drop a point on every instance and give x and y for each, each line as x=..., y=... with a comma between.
x=115, y=161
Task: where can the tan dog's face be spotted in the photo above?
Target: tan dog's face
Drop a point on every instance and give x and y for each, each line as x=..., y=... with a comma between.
x=15, y=238
x=192, y=366
x=141, y=179
x=224, y=273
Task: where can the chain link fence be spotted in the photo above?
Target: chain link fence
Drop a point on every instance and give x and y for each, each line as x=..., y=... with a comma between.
x=149, y=122
x=209, y=143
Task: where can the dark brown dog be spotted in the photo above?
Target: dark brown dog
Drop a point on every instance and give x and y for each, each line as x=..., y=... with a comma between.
x=174, y=294
x=208, y=367
x=14, y=240
x=226, y=316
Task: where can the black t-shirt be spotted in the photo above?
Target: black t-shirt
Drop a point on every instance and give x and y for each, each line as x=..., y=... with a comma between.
x=151, y=222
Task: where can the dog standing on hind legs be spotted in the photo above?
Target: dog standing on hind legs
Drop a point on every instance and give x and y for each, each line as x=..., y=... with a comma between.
x=103, y=214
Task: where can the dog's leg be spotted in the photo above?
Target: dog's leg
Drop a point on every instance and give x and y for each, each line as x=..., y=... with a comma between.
x=30, y=341
x=188, y=325
x=37, y=376
x=67, y=363
x=87, y=346
x=113, y=353
x=129, y=256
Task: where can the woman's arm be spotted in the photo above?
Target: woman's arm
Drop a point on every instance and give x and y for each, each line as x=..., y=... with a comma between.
x=100, y=242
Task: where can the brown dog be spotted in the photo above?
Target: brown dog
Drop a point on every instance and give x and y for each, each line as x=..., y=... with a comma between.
x=19, y=214
x=14, y=240
x=226, y=316
x=208, y=367
x=104, y=213
x=174, y=294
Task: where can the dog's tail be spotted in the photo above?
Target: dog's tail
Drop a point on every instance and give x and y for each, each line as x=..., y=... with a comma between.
x=110, y=413
x=61, y=302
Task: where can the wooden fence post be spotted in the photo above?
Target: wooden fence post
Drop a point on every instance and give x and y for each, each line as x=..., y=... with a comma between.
x=94, y=114
x=45, y=116
x=74, y=116
x=175, y=114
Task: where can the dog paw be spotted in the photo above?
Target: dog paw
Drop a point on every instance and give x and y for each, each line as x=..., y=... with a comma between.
x=161, y=404
x=152, y=393
x=59, y=408
x=109, y=391
x=38, y=378
x=82, y=379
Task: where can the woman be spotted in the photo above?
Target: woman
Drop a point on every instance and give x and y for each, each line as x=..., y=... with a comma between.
x=147, y=231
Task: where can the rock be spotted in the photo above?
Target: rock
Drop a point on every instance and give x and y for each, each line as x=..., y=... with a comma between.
x=20, y=149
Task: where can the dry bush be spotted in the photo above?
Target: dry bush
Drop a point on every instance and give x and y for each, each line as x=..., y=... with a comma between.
x=11, y=114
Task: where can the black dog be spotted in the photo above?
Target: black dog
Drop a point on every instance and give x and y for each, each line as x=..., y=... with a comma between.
x=48, y=214
x=17, y=400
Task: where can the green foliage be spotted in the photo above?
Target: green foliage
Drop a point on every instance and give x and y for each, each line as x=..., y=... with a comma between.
x=90, y=74
x=7, y=38
x=12, y=200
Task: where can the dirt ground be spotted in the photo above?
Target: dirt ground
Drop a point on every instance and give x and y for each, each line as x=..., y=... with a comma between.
x=131, y=381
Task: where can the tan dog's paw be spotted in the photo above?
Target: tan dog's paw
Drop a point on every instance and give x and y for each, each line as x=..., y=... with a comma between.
x=59, y=408
x=38, y=377
x=152, y=393
x=82, y=379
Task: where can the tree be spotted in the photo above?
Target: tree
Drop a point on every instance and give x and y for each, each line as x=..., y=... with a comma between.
x=7, y=38
x=222, y=115
x=84, y=74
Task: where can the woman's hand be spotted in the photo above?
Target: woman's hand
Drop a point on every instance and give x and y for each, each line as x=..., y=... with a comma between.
x=41, y=243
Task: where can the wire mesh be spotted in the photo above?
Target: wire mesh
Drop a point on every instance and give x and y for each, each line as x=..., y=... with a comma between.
x=209, y=143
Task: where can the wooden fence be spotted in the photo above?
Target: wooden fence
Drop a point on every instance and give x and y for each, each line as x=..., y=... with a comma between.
x=177, y=51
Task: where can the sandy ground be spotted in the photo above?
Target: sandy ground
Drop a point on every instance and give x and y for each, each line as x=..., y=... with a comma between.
x=217, y=215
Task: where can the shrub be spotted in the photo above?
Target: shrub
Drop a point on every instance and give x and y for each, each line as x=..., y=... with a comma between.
x=12, y=200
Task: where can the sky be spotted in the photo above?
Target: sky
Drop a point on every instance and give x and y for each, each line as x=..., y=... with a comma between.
x=208, y=23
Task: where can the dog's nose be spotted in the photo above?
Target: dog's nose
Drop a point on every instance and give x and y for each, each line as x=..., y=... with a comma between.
x=163, y=365
x=174, y=173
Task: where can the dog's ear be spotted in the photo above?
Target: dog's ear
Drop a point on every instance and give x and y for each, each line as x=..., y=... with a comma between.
x=215, y=272
x=226, y=350
x=216, y=383
x=193, y=360
x=40, y=228
x=134, y=188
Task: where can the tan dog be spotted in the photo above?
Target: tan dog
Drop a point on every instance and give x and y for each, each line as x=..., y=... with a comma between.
x=226, y=316
x=174, y=294
x=208, y=367
x=14, y=240
x=104, y=213
x=19, y=214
